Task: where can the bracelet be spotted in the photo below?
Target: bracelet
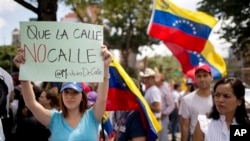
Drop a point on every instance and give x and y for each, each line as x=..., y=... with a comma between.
x=106, y=77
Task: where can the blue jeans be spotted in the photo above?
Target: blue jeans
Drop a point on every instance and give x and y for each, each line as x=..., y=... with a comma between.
x=174, y=123
x=164, y=131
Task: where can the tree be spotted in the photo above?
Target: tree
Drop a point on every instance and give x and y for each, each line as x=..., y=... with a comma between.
x=127, y=23
x=236, y=24
x=88, y=11
x=170, y=68
x=7, y=53
x=45, y=10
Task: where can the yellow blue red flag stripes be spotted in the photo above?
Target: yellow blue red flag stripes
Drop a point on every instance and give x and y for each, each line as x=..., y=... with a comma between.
x=183, y=27
x=107, y=126
x=124, y=95
x=190, y=59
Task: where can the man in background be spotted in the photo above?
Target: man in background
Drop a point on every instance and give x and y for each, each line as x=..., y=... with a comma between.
x=198, y=102
x=152, y=93
x=167, y=104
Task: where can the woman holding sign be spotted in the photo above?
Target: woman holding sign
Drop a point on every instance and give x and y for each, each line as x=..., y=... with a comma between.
x=76, y=121
x=228, y=109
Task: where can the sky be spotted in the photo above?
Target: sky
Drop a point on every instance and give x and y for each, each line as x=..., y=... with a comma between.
x=11, y=13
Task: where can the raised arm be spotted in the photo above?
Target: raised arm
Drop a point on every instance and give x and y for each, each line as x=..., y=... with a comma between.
x=100, y=105
x=41, y=114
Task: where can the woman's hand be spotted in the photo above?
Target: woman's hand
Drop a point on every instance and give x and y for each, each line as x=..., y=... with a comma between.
x=19, y=58
x=107, y=56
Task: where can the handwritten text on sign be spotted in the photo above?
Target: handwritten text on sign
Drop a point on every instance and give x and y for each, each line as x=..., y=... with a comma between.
x=61, y=52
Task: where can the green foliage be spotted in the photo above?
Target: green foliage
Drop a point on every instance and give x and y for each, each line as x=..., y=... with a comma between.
x=237, y=30
x=167, y=65
x=82, y=3
x=127, y=22
x=7, y=54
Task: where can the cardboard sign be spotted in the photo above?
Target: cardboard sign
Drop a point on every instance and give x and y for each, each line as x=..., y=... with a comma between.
x=61, y=52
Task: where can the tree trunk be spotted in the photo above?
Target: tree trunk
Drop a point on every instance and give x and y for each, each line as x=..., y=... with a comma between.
x=128, y=61
x=47, y=10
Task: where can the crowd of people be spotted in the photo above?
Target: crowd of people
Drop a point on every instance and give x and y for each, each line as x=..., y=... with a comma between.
x=55, y=111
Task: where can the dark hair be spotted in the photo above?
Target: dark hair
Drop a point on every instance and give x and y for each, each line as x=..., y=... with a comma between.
x=176, y=86
x=192, y=88
x=239, y=91
x=54, y=103
x=82, y=108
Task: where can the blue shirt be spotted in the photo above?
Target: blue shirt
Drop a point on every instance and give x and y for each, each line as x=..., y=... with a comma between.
x=86, y=130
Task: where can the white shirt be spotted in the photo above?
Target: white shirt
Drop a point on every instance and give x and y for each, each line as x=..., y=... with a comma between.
x=193, y=105
x=9, y=82
x=2, y=137
x=153, y=94
x=176, y=95
x=167, y=104
x=215, y=130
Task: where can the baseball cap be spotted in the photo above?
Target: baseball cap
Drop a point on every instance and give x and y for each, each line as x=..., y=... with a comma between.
x=72, y=85
x=91, y=96
x=203, y=67
x=148, y=72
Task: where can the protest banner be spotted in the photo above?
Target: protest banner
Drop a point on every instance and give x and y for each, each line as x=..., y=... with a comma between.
x=61, y=52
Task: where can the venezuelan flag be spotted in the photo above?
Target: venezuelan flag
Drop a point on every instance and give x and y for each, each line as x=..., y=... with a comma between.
x=107, y=126
x=183, y=27
x=124, y=95
x=190, y=59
